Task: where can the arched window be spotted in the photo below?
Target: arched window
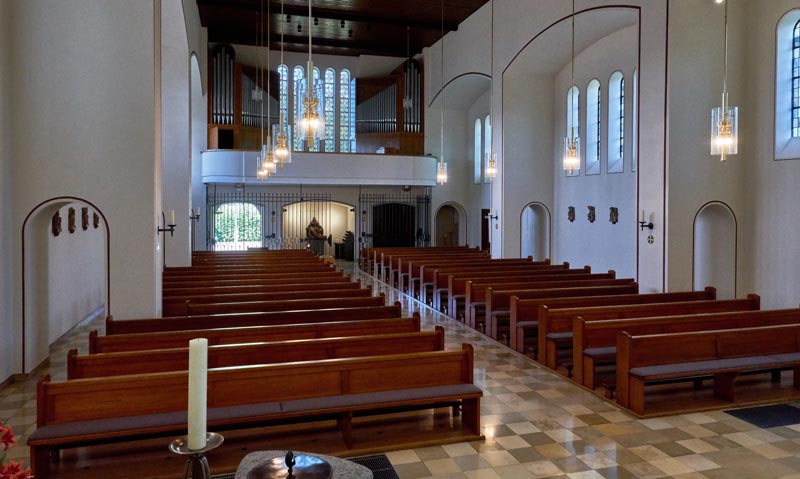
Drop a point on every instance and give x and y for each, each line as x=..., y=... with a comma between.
x=635, y=123
x=345, y=112
x=477, y=160
x=616, y=122
x=593, y=104
x=237, y=226
x=573, y=119
x=796, y=80
x=298, y=80
x=283, y=91
x=487, y=143
x=330, y=110
x=787, y=87
x=352, y=129
x=315, y=81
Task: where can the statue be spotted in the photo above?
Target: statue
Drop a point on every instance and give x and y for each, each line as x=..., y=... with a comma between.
x=314, y=230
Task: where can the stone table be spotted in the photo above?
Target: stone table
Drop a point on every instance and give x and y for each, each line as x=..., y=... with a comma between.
x=342, y=468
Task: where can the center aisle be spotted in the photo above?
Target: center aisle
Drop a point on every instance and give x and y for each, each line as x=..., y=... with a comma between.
x=538, y=424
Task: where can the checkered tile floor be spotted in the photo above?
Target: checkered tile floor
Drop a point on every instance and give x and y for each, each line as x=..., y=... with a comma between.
x=536, y=424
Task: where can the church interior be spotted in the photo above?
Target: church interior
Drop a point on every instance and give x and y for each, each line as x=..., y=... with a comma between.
x=403, y=239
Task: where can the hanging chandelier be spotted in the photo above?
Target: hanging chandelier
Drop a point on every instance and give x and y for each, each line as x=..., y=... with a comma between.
x=280, y=132
x=441, y=170
x=267, y=163
x=572, y=143
x=311, y=124
x=491, y=160
x=725, y=118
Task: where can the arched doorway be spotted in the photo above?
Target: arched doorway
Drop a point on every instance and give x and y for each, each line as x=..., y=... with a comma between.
x=715, y=245
x=63, y=238
x=237, y=226
x=451, y=225
x=535, y=231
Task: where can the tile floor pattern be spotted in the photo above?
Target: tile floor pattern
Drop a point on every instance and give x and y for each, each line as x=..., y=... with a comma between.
x=537, y=424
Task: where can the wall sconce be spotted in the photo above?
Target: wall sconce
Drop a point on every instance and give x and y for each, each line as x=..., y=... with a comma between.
x=171, y=226
x=195, y=215
x=645, y=224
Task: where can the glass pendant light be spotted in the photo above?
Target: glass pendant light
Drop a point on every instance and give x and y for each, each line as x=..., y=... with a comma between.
x=441, y=170
x=280, y=132
x=491, y=160
x=572, y=143
x=725, y=118
x=311, y=124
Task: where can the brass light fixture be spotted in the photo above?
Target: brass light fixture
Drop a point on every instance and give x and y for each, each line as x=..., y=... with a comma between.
x=281, y=149
x=312, y=123
x=725, y=118
x=572, y=143
x=441, y=170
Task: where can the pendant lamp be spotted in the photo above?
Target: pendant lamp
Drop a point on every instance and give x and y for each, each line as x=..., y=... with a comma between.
x=725, y=118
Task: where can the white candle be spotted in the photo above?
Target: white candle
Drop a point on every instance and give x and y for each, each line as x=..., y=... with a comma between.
x=198, y=369
x=197, y=211
x=642, y=216
x=172, y=217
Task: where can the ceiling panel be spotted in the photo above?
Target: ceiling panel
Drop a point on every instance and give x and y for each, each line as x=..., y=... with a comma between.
x=339, y=27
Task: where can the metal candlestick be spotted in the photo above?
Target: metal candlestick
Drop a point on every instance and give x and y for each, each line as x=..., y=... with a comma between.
x=196, y=461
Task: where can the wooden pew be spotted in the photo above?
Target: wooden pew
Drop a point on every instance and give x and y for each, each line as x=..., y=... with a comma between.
x=437, y=280
x=142, y=406
x=393, y=261
x=285, y=332
x=524, y=319
x=382, y=255
x=402, y=269
x=369, y=258
x=230, y=320
x=720, y=354
x=264, y=280
x=232, y=274
x=285, y=305
x=411, y=272
x=293, y=285
x=220, y=356
x=475, y=289
x=597, y=339
x=243, y=301
x=555, y=324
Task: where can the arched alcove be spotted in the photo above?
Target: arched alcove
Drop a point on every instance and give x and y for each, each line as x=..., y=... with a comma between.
x=65, y=275
x=335, y=219
x=450, y=225
x=715, y=244
x=535, y=231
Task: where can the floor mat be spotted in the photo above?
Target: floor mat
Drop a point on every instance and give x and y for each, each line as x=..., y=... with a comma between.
x=769, y=416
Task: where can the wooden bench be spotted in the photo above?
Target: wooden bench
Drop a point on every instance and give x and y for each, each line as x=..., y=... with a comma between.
x=524, y=318
x=125, y=408
x=286, y=305
x=293, y=285
x=383, y=259
x=208, y=283
x=475, y=289
x=393, y=267
x=369, y=258
x=555, y=324
x=435, y=286
x=220, y=356
x=596, y=340
x=262, y=274
x=412, y=271
x=186, y=306
x=402, y=271
x=722, y=355
x=341, y=313
x=244, y=334
x=498, y=305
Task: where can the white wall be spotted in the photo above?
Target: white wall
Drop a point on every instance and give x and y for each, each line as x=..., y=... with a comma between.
x=175, y=130
x=770, y=249
x=83, y=73
x=75, y=255
x=478, y=196
x=7, y=324
x=601, y=244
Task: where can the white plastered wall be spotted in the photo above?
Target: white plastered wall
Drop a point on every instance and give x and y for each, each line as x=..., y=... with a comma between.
x=516, y=23
x=175, y=130
x=7, y=324
x=83, y=72
x=601, y=244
